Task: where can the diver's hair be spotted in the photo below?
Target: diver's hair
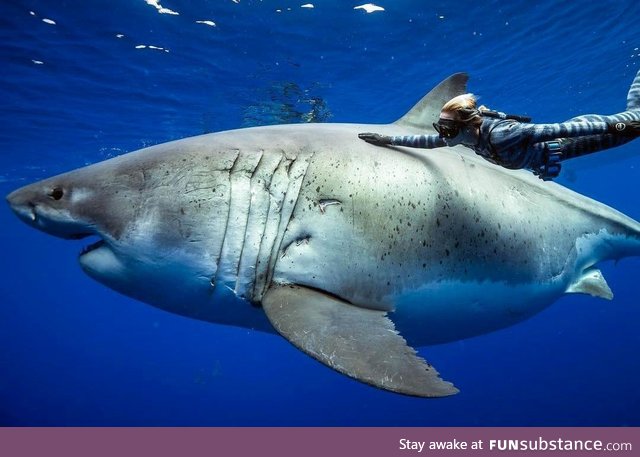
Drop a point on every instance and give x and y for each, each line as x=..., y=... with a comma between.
x=466, y=101
x=465, y=108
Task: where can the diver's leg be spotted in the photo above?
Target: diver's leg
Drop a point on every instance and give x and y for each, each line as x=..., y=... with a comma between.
x=549, y=154
x=546, y=156
x=633, y=97
x=625, y=116
x=584, y=145
x=579, y=146
x=632, y=112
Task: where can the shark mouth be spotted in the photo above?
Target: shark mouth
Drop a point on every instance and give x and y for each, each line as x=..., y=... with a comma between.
x=91, y=247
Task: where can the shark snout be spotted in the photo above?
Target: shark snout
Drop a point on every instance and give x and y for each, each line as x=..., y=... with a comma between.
x=22, y=205
x=43, y=208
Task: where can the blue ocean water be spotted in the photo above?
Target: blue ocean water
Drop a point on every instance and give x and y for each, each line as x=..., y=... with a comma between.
x=83, y=81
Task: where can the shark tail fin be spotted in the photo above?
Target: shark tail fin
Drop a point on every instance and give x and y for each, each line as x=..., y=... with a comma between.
x=633, y=97
x=427, y=110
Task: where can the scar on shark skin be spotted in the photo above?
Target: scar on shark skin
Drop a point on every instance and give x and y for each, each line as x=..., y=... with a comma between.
x=328, y=202
x=298, y=241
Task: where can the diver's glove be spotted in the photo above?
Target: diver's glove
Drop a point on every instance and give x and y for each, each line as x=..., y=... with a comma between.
x=625, y=128
x=375, y=138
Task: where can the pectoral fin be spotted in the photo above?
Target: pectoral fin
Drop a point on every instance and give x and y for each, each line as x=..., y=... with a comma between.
x=593, y=283
x=361, y=343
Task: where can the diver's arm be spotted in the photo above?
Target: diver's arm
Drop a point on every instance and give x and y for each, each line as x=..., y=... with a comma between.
x=418, y=141
x=412, y=141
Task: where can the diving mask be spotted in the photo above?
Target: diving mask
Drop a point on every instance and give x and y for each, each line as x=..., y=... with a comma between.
x=448, y=128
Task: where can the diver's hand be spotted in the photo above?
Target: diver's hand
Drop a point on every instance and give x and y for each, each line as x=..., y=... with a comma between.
x=375, y=138
x=625, y=128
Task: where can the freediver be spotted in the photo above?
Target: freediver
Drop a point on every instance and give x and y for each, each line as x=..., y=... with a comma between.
x=514, y=142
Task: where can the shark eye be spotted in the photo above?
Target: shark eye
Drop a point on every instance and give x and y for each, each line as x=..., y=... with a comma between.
x=56, y=193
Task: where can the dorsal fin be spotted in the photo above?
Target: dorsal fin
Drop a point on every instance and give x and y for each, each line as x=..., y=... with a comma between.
x=427, y=110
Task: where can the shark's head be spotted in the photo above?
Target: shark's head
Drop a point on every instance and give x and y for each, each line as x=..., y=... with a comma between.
x=157, y=242
x=118, y=203
x=81, y=204
x=51, y=206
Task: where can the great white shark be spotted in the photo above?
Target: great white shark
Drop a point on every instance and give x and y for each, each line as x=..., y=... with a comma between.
x=355, y=254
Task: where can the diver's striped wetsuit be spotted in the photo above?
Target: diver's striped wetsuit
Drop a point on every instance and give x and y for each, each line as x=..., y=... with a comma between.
x=517, y=145
x=514, y=145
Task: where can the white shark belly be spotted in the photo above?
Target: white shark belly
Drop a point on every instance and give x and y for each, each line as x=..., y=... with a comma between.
x=453, y=310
